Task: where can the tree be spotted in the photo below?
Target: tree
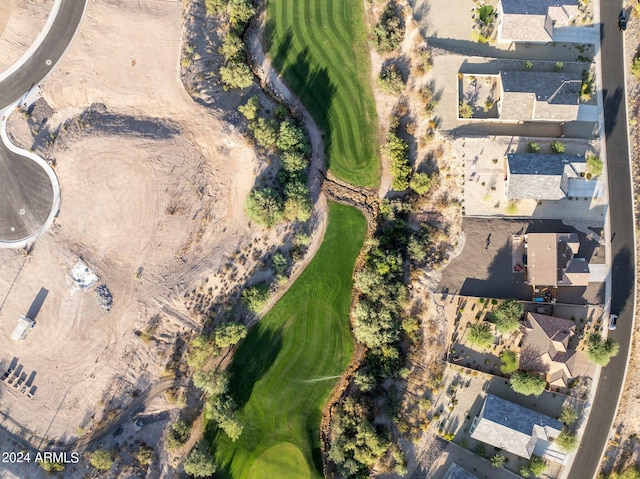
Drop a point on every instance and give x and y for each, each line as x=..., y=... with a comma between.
x=509, y=362
x=214, y=7
x=178, y=434
x=229, y=334
x=256, y=296
x=416, y=249
x=364, y=380
x=250, y=109
x=480, y=335
x=568, y=415
x=600, y=351
x=279, y=263
x=264, y=206
x=240, y=11
x=294, y=162
x=507, y=316
x=292, y=137
x=497, y=461
x=214, y=382
x=232, y=48
x=297, y=205
x=265, y=131
x=396, y=148
x=567, y=440
x=420, y=183
x=221, y=410
x=199, y=462
x=527, y=384
x=101, y=459
x=200, y=350
x=236, y=74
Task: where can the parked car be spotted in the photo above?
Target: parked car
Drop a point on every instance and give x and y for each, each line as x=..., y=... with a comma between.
x=613, y=321
x=623, y=18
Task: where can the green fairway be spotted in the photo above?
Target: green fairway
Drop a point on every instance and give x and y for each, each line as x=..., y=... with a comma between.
x=320, y=48
x=284, y=370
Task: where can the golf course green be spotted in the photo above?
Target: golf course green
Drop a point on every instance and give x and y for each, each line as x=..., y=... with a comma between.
x=284, y=370
x=320, y=48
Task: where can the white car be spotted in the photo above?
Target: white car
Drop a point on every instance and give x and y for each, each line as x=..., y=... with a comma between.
x=613, y=321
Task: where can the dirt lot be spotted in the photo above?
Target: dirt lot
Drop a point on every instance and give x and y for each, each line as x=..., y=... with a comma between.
x=20, y=23
x=153, y=186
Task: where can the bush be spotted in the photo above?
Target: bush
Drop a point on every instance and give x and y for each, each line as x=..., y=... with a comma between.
x=255, y=297
x=101, y=459
x=594, y=165
x=465, y=110
x=509, y=362
x=199, y=462
x=635, y=67
x=264, y=206
x=480, y=335
x=527, y=384
x=568, y=415
x=568, y=441
x=486, y=14
x=388, y=32
x=537, y=465
x=178, y=434
x=558, y=147
x=396, y=148
x=600, y=351
x=497, y=461
x=534, y=147
x=144, y=455
x=390, y=80
x=558, y=66
x=236, y=74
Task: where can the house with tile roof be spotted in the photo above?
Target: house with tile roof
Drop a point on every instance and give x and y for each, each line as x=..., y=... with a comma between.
x=517, y=430
x=534, y=20
x=552, y=261
x=457, y=472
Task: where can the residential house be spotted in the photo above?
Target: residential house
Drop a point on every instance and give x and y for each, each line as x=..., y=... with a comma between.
x=552, y=177
x=551, y=260
x=517, y=430
x=457, y=472
x=547, y=338
x=534, y=20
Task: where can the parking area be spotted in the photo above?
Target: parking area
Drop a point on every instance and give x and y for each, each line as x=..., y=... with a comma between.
x=485, y=266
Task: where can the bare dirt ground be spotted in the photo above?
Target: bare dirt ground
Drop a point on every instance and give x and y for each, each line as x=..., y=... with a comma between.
x=624, y=448
x=20, y=23
x=153, y=186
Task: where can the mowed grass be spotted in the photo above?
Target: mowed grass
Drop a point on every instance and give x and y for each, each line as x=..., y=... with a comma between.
x=320, y=47
x=284, y=370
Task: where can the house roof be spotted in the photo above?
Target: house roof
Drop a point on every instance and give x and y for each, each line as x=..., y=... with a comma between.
x=533, y=20
x=457, y=472
x=556, y=94
x=513, y=428
x=538, y=176
x=541, y=259
x=553, y=327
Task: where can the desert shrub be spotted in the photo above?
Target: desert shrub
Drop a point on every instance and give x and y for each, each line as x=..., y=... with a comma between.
x=497, y=461
x=264, y=206
x=390, y=79
x=51, y=466
x=144, y=454
x=465, y=110
x=635, y=67
x=558, y=147
x=101, y=459
x=568, y=416
x=397, y=150
x=486, y=14
x=389, y=31
x=534, y=147
x=420, y=183
x=594, y=165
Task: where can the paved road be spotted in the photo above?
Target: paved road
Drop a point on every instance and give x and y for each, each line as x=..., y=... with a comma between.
x=27, y=195
x=623, y=253
x=44, y=59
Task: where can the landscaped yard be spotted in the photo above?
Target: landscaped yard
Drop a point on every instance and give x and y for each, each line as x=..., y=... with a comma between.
x=284, y=370
x=320, y=47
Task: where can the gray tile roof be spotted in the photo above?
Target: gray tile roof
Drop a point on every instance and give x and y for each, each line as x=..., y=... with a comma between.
x=532, y=7
x=513, y=428
x=534, y=20
x=456, y=472
x=538, y=176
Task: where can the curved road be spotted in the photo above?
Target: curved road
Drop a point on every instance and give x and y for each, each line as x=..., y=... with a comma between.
x=623, y=248
x=28, y=191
